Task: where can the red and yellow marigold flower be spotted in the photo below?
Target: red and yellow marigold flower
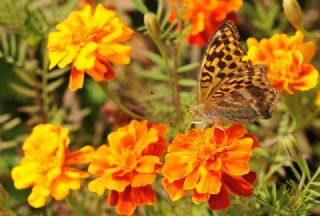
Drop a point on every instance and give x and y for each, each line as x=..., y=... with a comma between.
x=205, y=16
x=211, y=163
x=48, y=166
x=288, y=59
x=128, y=165
x=90, y=41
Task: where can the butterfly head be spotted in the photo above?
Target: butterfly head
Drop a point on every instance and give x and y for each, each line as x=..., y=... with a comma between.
x=197, y=113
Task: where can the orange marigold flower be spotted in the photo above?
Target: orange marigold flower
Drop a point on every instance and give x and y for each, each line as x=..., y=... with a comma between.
x=288, y=60
x=90, y=41
x=128, y=165
x=47, y=165
x=211, y=163
x=205, y=16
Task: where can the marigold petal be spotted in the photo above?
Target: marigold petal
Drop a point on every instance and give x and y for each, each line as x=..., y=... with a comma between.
x=102, y=16
x=38, y=196
x=250, y=177
x=82, y=156
x=209, y=182
x=174, y=189
x=176, y=166
x=86, y=58
x=59, y=188
x=125, y=204
x=142, y=179
x=98, y=185
x=116, y=53
x=23, y=176
x=236, y=131
x=237, y=185
x=76, y=79
x=146, y=164
x=143, y=195
x=191, y=180
x=144, y=141
x=308, y=51
x=68, y=57
x=309, y=78
x=197, y=198
x=219, y=201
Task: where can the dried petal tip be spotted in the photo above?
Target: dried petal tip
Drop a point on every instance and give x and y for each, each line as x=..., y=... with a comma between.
x=289, y=144
x=152, y=24
x=293, y=13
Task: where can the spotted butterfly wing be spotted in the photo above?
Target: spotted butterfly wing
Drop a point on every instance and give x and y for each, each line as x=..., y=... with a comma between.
x=221, y=60
x=244, y=97
x=231, y=89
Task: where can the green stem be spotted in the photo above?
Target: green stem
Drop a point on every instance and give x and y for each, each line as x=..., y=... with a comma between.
x=104, y=86
x=173, y=77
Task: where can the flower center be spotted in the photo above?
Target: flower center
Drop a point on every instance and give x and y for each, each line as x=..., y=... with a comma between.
x=82, y=37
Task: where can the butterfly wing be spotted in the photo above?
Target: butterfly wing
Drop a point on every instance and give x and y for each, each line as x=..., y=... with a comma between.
x=244, y=97
x=222, y=59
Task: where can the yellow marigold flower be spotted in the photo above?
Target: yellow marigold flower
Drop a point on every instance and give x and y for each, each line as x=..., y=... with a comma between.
x=47, y=165
x=128, y=165
x=205, y=16
x=288, y=61
x=90, y=41
x=211, y=163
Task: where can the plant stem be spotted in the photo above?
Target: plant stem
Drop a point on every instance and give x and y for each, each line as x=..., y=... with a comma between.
x=173, y=78
x=104, y=86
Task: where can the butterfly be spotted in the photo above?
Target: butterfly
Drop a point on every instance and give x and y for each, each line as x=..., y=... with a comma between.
x=231, y=89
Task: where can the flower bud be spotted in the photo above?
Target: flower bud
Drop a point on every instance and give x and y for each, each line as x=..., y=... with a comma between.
x=152, y=24
x=289, y=144
x=293, y=13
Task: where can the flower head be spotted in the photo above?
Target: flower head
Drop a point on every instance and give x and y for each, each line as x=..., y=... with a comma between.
x=288, y=60
x=128, y=165
x=210, y=163
x=90, y=41
x=205, y=16
x=47, y=165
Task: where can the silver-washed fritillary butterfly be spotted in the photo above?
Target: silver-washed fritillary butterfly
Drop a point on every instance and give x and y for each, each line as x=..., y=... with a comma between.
x=231, y=89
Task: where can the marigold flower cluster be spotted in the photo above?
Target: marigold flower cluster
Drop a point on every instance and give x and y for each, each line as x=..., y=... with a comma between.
x=211, y=163
x=288, y=59
x=90, y=41
x=127, y=166
x=205, y=16
x=48, y=166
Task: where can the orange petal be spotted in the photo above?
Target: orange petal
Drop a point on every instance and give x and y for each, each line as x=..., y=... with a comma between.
x=236, y=163
x=209, y=182
x=236, y=131
x=198, y=198
x=76, y=79
x=250, y=177
x=191, y=180
x=308, y=51
x=142, y=179
x=237, y=185
x=81, y=156
x=59, y=188
x=219, y=201
x=175, y=189
x=146, y=164
x=143, y=195
x=176, y=166
x=125, y=204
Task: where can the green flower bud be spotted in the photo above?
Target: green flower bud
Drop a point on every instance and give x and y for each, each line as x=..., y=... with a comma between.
x=293, y=13
x=289, y=144
x=152, y=24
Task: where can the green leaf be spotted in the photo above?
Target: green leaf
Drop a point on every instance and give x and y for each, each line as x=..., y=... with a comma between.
x=24, y=76
x=159, y=9
x=187, y=82
x=29, y=109
x=188, y=67
x=157, y=59
x=140, y=6
x=58, y=72
x=314, y=193
x=23, y=90
x=55, y=84
x=155, y=75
